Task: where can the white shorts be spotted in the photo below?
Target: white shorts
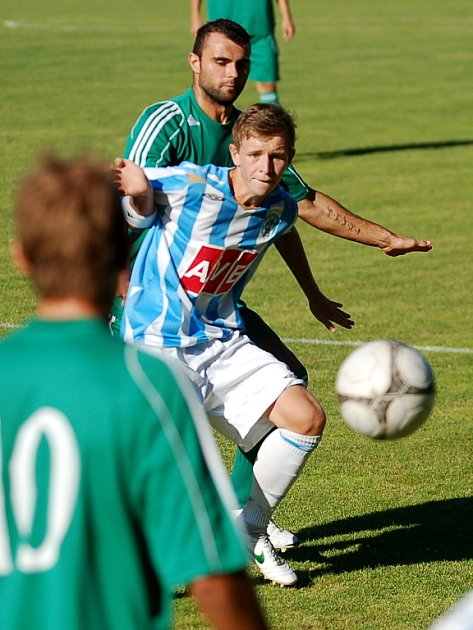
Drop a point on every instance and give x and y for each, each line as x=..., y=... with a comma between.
x=237, y=382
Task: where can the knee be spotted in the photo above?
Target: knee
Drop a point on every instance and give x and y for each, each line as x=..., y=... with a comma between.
x=314, y=421
x=298, y=411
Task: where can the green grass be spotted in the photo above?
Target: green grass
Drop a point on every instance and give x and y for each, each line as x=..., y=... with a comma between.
x=383, y=98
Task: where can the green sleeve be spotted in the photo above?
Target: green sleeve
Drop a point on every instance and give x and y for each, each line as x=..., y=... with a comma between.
x=153, y=139
x=294, y=184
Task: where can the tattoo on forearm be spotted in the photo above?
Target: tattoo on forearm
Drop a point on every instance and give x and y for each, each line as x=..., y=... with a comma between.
x=338, y=217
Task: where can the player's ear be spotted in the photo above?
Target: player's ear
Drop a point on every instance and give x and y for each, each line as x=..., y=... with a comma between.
x=234, y=154
x=194, y=62
x=19, y=258
x=292, y=153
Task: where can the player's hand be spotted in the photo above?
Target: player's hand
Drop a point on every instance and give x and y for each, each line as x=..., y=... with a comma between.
x=400, y=245
x=288, y=29
x=330, y=313
x=130, y=178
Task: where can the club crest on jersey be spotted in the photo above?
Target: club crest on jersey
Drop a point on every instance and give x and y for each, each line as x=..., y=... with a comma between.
x=215, y=270
x=270, y=224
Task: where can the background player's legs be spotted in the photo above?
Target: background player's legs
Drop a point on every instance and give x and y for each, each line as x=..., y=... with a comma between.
x=265, y=68
x=267, y=92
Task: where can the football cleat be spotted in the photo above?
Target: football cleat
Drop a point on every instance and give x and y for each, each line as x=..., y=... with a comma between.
x=271, y=565
x=280, y=538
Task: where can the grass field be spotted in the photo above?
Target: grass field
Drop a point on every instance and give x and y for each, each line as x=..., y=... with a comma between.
x=384, y=101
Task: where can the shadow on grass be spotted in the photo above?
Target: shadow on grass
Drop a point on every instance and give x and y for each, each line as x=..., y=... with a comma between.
x=330, y=155
x=429, y=532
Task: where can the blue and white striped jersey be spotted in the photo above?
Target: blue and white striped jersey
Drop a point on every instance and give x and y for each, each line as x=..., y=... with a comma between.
x=197, y=257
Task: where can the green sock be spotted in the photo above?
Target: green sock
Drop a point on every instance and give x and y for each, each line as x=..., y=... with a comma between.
x=242, y=472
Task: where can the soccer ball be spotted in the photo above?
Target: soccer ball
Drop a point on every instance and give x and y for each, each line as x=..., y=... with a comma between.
x=386, y=389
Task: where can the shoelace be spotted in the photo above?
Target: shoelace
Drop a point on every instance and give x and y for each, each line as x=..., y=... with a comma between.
x=272, y=551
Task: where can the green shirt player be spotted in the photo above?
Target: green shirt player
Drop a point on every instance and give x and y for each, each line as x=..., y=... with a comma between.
x=112, y=493
x=257, y=17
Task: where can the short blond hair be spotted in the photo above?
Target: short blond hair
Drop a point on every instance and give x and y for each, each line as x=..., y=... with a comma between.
x=265, y=120
x=71, y=229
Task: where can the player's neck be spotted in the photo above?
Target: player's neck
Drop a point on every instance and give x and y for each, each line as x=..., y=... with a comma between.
x=216, y=111
x=245, y=198
x=67, y=308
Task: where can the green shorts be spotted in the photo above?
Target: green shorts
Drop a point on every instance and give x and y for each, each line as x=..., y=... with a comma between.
x=264, y=59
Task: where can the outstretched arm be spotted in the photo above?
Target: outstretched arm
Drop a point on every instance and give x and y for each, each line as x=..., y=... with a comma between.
x=324, y=213
x=325, y=310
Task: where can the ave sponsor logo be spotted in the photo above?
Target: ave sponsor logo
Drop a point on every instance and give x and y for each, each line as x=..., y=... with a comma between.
x=215, y=270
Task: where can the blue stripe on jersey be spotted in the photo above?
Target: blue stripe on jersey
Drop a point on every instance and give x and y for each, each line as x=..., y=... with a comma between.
x=227, y=209
x=195, y=262
x=185, y=224
x=214, y=311
x=145, y=275
x=192, y=191
x=173, y=313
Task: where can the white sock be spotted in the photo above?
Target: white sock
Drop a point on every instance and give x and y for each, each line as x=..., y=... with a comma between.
x=281, y=458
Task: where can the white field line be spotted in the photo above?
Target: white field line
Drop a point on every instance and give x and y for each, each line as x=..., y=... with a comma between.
x=62, y=27
x=49, y=26
x=331, y=342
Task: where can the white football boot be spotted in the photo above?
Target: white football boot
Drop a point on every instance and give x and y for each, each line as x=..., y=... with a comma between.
x=271, y=565
x=280, y=538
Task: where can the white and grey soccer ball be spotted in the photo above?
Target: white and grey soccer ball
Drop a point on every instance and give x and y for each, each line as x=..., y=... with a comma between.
x=386, y=389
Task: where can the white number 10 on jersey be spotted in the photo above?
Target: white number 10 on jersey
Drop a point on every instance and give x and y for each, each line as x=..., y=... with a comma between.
x=53, y=426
